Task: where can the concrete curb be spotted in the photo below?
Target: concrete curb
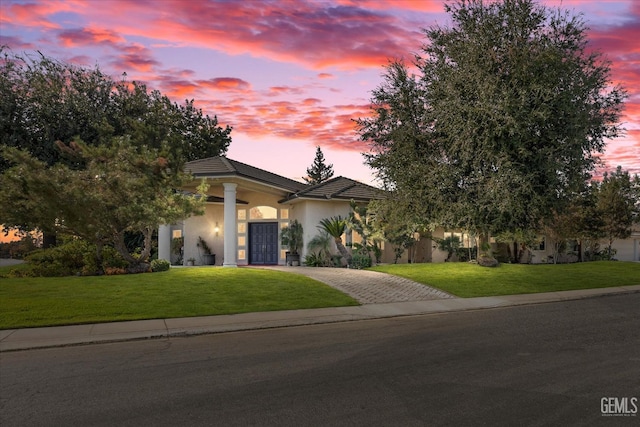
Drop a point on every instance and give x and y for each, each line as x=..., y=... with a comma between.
x=59, y=336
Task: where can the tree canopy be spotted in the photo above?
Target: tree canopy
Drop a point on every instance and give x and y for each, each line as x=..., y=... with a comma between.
x=45, y=100
x=506, y=117
x=618, y=203
x=120, y=188
x=319, y=171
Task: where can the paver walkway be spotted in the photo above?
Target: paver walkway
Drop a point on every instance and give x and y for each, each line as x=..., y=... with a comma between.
x=369, y=287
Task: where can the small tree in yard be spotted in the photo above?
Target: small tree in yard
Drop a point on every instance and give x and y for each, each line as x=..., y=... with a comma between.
x=118, y=189
x=319, y=171
x=618, y=203
x=336, y=226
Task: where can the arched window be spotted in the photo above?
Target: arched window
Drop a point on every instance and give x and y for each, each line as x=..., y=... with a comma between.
x=263, y=212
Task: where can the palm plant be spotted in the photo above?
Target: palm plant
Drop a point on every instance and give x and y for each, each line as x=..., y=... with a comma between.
x=319, y=246
x=336, y=227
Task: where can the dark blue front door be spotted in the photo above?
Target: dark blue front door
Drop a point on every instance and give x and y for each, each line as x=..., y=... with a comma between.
x=263, y=243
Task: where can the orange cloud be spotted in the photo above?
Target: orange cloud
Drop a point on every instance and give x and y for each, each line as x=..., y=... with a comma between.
x=225, y=83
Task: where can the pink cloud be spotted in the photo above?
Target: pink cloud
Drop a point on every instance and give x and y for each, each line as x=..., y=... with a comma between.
x=37, y=13
x=15, y=43
x=284, y=90
x=313, y=34
x=225, y=83
x=88, y=36
x=135, y=57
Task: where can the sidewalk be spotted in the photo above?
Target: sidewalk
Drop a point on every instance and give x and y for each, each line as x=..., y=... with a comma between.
x=57, y=336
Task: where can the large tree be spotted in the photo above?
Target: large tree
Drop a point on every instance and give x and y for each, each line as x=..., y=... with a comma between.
x=319, y=171
x=45, y=100
x=505, y=118
x=120, y=188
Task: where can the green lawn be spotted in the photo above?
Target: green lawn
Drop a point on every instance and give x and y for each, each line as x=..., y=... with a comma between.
x=180, y=292
x=469, y=280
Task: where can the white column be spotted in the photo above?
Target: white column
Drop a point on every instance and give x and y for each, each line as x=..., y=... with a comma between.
x=230, y=226
x=164, y=242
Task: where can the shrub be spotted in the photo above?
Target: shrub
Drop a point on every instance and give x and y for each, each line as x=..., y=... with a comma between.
x=73, y=257
x=160, y=265
x=66, y=259
x=360, y=261
x=316, y=259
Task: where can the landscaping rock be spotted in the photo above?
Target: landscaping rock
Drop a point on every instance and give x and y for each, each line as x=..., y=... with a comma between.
x=487, y=261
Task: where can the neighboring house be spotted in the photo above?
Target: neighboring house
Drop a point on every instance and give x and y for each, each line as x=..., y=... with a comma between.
x=247, y=207
x=626, y=249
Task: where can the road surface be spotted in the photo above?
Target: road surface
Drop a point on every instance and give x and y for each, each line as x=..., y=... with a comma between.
x=547, y=364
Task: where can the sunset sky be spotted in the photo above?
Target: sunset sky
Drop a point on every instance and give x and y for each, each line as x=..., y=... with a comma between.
x=287, y=75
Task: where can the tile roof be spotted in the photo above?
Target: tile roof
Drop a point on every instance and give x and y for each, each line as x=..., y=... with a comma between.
x=221, y=166
x=339, y=188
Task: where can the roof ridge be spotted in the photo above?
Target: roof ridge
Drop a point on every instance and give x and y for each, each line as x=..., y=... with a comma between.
x=228, y=164
x=342, y=190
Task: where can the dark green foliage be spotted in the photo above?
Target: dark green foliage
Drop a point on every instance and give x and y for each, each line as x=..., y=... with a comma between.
x=121, y=190
x=618, y=203
x=360, y=260
x=202, y=244
x=160, y=265
x=316, y=259
x=336, y=226
x=319, y=171
x=73, y=257
x=450, y=245
x=45, y=100
x=292, y=237
x=504, y=121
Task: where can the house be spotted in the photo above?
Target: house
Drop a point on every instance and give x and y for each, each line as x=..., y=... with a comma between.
x=247, y=207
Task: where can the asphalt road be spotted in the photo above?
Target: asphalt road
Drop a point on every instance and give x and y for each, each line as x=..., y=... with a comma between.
x=548, y=364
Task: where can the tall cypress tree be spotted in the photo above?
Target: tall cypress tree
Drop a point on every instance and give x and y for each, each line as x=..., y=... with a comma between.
x=319, y=171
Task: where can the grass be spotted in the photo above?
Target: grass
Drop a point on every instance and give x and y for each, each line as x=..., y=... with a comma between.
x=179, y=292
x=469, y=280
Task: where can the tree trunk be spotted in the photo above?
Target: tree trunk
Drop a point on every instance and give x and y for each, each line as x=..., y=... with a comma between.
x=49, y=239
x=483, y=242
x=343, y=251
x=99, y=259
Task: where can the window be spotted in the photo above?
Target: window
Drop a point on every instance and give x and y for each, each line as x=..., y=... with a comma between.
x=242, y=214
x=177, y=234
x=263, y=212
x=284, y=213
x=242, y=227
x=541, y=245
x=242, y=254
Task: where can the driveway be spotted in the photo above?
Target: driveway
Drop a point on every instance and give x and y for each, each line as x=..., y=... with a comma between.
x=369, y=287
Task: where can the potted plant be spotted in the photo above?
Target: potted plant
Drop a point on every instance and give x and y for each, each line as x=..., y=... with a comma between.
x=208, y=258
x=292, y=237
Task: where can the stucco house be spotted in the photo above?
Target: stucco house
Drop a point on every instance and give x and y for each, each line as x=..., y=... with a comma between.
x=247, y=207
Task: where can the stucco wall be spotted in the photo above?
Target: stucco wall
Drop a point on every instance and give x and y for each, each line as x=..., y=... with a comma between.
x=310, y=212
x=204, y=226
